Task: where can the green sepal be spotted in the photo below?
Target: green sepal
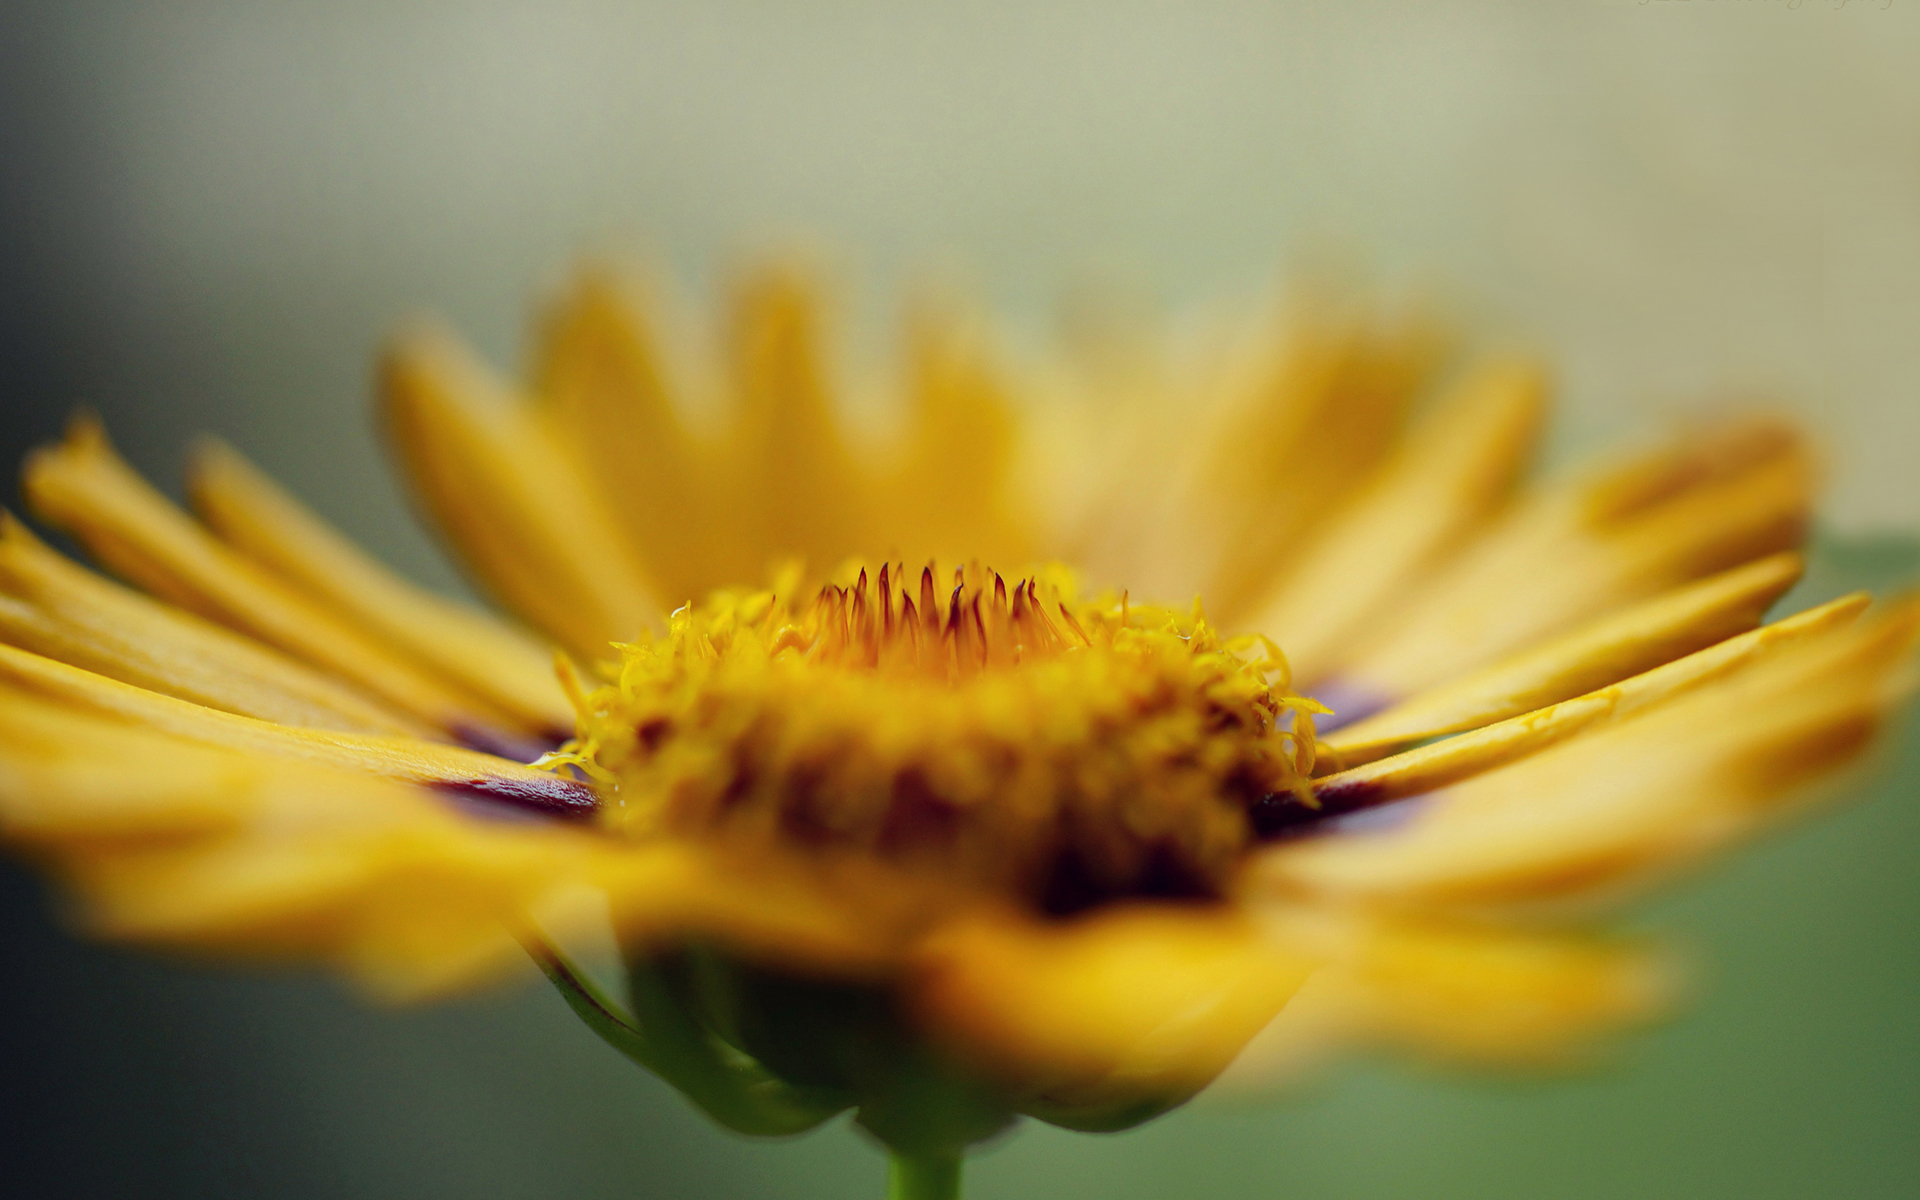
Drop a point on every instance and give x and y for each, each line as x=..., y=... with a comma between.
x=846, y=1038
x=662, y=1035
x=1110, y=1116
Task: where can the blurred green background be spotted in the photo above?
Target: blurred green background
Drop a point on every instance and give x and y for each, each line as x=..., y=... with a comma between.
x=210, y=214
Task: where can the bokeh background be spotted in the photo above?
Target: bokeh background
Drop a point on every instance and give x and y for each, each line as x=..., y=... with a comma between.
x=211, y=212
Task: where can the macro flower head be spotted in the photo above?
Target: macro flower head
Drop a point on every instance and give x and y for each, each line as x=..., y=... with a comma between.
x=1025, y=751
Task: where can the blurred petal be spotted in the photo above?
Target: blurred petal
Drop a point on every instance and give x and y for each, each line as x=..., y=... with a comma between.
x=164, y=841
x=84, y=487
x=835, y=917
x=527, y=518
x=1448, y=762
x=1207, y=471
x=408, y=913
x=68, y=776
x=1610, y=648
x=1127, y=1004
x=59, y=609
x=479, y=654
x=789, y=474
x=196, y=845
x=1717, y=498
x=466, y=773
x=1632, y=800
x=1114, y=463
x=1458, y=991
x=603, y=378
x=1308, y=436
x=1452, y=469
x=951, y=497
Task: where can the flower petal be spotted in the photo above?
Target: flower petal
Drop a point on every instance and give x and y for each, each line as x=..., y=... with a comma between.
x=256, y=517
x=1174, y=476
x=1464, y=992
x=1127, y=1005
x=602, y=376
x=84, y=487
x=164, y=841
x=69, y=777
x=1600, y=652
x=1631, y=800
x=462, y=772
x=1719, y=497
x=950, y=496
x=509, y=495
x=787, y=476
x=838, y=918
x=1447, y=762
x=61, y=610
x=259, y=848
x=1450, y=472
x=1315, y=427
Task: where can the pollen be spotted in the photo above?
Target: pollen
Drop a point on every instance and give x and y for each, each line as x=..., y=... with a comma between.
x=1002, y=734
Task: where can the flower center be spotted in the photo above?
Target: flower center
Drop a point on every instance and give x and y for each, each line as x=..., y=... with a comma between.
x=1004, y=735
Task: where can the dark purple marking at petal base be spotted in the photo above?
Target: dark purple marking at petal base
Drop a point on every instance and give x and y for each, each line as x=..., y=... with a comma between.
x=553, y=797
x=1350, y=702
x=1282, y=815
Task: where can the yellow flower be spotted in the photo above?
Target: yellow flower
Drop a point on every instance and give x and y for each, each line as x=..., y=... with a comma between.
x=945, y=843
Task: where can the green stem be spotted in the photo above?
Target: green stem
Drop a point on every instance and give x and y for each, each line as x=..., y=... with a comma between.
x=917, y=1177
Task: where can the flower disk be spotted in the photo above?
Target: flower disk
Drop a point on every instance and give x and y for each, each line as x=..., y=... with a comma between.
x=1007, y=738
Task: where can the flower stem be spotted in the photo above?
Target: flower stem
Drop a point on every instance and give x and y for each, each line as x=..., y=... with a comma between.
x=917, y=1177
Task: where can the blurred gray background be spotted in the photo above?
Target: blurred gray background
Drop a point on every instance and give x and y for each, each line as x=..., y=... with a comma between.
x=210, y=214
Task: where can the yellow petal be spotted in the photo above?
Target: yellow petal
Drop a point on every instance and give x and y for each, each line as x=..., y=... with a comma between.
x=1633, y=800
x=255, y=516
x=789, y=476
x=1722, y=496
x=230, y=852
x=372, y=877
x=68, y=776
x=1452, y=469
x=61, y=610
x=1448, y=762
x=1611, y=648
x=209, y=850
x=1129, y=1003
x=451, y=768
x=951, y=497
x=201, y=829
x=530, y=522
x=839, y=918
x=603, y=377
x=1457, y=991
x=84, y=487
x=1316, y=428
x=1113, y=464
